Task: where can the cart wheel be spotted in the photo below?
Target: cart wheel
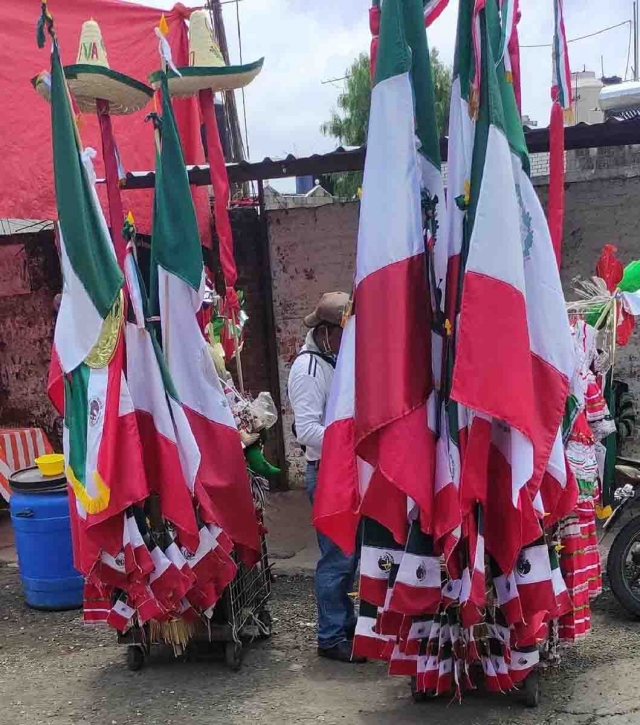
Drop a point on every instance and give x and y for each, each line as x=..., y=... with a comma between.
x=135, y=658
x=531, y=690
x=419, y=696
x=264, y=617
x=233, y=655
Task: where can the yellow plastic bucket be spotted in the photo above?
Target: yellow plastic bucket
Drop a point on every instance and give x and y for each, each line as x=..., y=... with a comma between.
x=51, y=464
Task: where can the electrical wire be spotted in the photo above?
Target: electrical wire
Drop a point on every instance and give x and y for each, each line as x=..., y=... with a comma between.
x=582, y=37
x=244, y=105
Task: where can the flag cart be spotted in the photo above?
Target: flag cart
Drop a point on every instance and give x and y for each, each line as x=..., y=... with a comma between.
x=240, y=615
x=141, y=568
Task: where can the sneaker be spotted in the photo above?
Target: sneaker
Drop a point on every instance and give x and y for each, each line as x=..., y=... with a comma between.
x=341, y=653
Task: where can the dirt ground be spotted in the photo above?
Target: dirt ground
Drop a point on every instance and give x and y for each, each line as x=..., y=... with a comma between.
x=55, y=671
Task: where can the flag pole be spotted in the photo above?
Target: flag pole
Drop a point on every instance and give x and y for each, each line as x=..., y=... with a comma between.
x=114, y=199
x=220, y=184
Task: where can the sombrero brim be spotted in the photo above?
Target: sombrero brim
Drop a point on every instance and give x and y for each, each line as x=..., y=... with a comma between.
x=199, y=78
x=88, y=83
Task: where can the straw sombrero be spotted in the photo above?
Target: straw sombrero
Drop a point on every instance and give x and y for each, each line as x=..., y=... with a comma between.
x=91, y=78
x=206, y=68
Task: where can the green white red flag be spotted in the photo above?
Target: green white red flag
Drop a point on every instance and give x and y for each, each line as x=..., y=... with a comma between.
x=102, y=447
x=432, y=10
x=393, y=382
x=171, y=454
x=391, y=386
x=562, y=100
x=513, y=357
x=222, y=485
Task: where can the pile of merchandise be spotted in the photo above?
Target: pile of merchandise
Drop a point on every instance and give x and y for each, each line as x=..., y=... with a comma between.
x=445, y=449
x=160, y=488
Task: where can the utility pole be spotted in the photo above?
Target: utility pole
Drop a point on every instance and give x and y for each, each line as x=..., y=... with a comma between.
x=635, y=41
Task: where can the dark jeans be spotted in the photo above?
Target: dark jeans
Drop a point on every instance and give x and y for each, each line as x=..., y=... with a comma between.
x=335, y=576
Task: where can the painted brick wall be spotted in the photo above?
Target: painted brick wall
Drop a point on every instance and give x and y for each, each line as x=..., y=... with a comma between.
x=26, y=330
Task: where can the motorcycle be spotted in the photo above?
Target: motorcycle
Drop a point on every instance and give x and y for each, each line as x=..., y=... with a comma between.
x=623, y=562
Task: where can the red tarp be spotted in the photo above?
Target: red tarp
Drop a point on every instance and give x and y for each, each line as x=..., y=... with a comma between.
x=26, y=174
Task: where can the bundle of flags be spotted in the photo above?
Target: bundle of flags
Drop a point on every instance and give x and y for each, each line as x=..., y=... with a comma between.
x=161, y=500
x=444, y=443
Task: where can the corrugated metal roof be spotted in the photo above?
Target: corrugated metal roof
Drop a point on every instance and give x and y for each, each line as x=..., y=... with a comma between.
x=612, y=132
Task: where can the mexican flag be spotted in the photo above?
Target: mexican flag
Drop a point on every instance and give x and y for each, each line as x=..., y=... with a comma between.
x=92, y=280
x=451, y=444
x=379, y=554
x=416, y=590
x=513, y=356
x=336, y=505
x=348, y=487
x=433, y=9
x=103, y=455
x=177, y=286
x=102, y=448
x=374, y=462
x=171, y=454
x=394, y=381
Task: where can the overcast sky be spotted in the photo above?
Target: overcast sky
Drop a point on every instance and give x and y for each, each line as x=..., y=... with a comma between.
x=305, y=42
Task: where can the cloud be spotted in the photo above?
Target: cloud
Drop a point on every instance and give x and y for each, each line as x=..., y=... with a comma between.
x=306, y=42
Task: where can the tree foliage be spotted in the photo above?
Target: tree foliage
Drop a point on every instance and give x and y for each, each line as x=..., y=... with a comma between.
x=349, y=122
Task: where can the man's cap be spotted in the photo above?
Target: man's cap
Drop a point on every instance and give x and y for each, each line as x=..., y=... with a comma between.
x=330, y=309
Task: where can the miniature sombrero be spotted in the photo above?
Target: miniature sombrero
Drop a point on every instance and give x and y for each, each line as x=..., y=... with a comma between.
x=91, y=78
x=207, y=68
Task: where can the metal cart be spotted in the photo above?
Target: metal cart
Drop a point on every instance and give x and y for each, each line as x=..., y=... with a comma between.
x=240, y=614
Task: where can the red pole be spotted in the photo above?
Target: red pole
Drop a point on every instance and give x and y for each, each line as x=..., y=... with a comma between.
x=220, y=183
x=555, y=205
x=116, y=212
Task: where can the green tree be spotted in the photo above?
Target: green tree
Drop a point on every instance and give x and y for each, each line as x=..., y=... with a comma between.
x=349, y=123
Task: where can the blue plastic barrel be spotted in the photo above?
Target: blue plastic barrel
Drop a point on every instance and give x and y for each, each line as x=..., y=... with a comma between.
x=39, y=508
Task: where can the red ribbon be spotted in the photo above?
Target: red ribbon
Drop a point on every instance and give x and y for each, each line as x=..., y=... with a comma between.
x=220, y=183
x=374, y=26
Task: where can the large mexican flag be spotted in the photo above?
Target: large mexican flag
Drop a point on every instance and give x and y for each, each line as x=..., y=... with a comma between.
x=171, y=454
x=513, y=356
x=177, y=287
x=383, y=398
x=394, y=377
x=102, y=447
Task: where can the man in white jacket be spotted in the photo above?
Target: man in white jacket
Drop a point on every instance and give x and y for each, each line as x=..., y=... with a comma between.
x=309, y=385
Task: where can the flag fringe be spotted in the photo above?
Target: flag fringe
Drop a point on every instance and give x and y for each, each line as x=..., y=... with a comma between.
x=177, y=632
x=91, y=504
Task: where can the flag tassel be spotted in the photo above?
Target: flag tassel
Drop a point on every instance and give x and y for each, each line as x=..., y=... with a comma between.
x=92, y=504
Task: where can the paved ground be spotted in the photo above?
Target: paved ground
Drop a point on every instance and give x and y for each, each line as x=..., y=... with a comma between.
x=54, y=671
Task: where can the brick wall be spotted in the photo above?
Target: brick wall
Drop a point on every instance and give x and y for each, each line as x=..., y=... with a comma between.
x=29, y=279
x=600, y=211
x=312, y=251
